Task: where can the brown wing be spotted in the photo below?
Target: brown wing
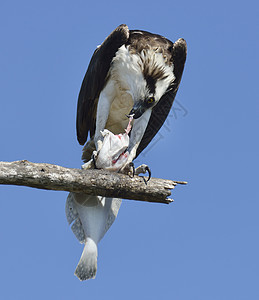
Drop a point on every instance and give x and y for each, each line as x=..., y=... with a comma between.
x=94, y=81
x=162, y=108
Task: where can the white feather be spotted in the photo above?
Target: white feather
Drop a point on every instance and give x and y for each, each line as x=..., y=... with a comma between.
x=93, y=216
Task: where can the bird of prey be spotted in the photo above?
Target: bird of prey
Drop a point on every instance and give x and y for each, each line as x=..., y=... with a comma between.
x=136, y=73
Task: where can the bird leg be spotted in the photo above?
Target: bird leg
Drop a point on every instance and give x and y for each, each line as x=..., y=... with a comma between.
x=128, y=169
x=137, y=133
x=91, y=164
x=88, y=165
x=103, y=108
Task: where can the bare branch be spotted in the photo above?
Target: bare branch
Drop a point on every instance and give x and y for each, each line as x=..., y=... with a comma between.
x=91, y=182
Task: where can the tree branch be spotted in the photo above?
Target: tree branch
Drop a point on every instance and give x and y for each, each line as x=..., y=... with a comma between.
x=91, y=182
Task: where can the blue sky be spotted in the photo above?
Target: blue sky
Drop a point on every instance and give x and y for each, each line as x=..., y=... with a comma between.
x=204, y=245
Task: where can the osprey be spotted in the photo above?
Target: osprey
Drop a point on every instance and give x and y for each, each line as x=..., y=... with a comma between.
x=132, y=72
x=135, y=73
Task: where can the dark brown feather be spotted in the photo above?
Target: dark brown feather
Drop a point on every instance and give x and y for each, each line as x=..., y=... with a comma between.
x=94, y=81
x=160, y=112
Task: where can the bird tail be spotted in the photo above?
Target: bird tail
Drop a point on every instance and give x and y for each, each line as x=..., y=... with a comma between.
x=87, y=266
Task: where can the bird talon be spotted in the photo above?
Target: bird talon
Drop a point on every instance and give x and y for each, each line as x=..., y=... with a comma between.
x=94, y=156
x=142, y=170
x=149, y=173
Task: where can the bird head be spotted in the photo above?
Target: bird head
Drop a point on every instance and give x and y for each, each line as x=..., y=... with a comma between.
x=156, y=79
x=141, y=106
x=148, y=97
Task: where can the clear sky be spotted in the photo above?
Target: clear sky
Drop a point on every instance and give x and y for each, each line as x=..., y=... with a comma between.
x=203, y=246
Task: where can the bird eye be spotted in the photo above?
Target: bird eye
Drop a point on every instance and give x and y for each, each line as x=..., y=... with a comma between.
x=150, y=100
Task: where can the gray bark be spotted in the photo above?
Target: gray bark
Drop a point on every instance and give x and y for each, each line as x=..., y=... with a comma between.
x=91, y=182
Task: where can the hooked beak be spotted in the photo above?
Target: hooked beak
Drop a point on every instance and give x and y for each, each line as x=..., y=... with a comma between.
x=137, y=110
